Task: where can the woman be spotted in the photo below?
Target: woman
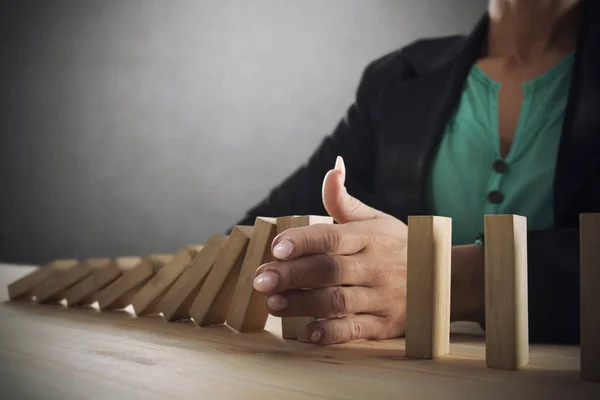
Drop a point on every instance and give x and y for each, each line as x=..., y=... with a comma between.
x=506, y=120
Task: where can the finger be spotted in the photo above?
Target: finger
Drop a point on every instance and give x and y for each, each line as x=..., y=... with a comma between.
x=317, y=271
x=330, y=302
x=320, y=239
x=339, y=204
x=348, y=328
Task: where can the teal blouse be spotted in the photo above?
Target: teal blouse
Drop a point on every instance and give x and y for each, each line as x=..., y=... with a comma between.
x=469, y=178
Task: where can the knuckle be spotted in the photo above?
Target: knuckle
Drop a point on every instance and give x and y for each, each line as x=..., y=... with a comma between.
x=338, y=334
x=357, y=330
x=380, y=272
x=332, y=239
x=353, y=205
x=302, y=240
x=340, y=302
x=332, y=269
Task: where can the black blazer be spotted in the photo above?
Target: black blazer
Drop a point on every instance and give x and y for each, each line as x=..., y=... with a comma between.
x=391, y=132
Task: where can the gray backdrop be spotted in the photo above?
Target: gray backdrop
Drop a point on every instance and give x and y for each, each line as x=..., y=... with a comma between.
x=137, y=126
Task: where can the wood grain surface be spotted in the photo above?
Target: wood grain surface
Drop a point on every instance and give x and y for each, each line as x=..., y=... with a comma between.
x=428, y=286
x=506, y=301
x=52, y=352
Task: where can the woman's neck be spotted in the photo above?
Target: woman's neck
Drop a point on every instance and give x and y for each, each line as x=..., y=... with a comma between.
x=522, y=30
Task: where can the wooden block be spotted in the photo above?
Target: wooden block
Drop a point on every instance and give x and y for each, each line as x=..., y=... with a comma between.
x=119, y=293
x=506, y=302
x=589, y=242
x=53, y=290
x=82, y=293
x=428, y=286
x=212, y=303
x=176, y=303
x=248, y=311
x=22, y=288
x=104, y=272
x=293, y=327
x=146, y=301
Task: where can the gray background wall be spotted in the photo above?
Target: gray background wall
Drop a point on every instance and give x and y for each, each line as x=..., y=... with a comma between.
x=137, y=126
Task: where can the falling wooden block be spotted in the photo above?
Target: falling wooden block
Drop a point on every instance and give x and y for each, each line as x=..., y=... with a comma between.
x=506, y=302
x=146, y=301
x=82, y=293
x=176, y=303
x=212, y=303
x=294, y=327
x=23, y=288
x=104, y=272
x=53, y=290
x=248, y=311
x=428, y=286
x=589, y=242
x=119, y=293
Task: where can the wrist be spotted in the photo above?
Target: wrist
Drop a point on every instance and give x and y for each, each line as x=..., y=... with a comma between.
x=468, y=284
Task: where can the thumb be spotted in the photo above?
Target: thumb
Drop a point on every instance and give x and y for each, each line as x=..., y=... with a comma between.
x=339, y=204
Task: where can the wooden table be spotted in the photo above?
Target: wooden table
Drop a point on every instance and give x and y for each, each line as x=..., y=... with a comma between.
x=51, y=352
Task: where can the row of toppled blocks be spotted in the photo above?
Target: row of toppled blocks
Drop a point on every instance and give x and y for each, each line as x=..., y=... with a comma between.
x=212, y=284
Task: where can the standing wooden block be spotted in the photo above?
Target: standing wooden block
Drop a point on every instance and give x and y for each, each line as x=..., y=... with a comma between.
x=53, y=290
x=119, y=293
x=428, y=286
x=103, y=270
x=589, y=242
x=22, y=288
x=294, y=327
x=212, y=303
x=176, y=303
x=506, y=302
x=146, y=301
x=248, y=312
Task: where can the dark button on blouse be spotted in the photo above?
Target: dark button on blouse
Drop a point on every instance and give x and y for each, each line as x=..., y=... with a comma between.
x=500, y=166
x=495, y=197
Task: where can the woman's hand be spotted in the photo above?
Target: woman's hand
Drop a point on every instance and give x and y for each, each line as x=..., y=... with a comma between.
x=351, y=275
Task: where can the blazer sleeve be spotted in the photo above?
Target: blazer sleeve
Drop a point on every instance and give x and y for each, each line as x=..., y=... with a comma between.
x=353, y=139
x=553, y=282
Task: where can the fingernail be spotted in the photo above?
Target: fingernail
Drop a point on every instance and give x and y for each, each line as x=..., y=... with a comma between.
x=340, y=166
x=339, y=163
x=283, y=249
x=266, y=282
x=316, y=335
x=277, y=302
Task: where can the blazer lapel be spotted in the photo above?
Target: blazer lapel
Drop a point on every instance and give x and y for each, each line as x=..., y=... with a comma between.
x=414, y=118
x=579, y=155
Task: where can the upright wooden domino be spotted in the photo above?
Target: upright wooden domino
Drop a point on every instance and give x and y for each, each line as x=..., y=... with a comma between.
x=53, y=290
x=428, y=286
x=103, y=273
x=589, y=242
x=293, y=327
x=506, y=302
x=176, y=303
x=212, y=303
x=248, y=311
x=146, y=301
x=23, y=288
x=119, y=293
